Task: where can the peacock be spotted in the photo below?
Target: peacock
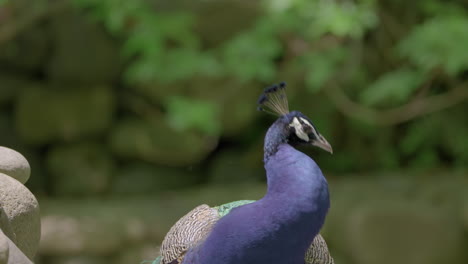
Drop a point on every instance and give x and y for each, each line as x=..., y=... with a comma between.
x=283, y=226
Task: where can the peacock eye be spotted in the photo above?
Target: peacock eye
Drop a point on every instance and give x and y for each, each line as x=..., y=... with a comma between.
x=307, y=129
x=299, y=129
x=307, y=126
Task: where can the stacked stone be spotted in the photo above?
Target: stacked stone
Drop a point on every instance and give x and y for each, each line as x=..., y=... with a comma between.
x=19, y=211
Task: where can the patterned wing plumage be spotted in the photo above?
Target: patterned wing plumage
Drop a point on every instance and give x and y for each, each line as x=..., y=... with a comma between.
x=187, y=233
x=195, y=226
x=318, y=252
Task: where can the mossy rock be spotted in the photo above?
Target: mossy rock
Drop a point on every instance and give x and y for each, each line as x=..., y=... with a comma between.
x=156, y=142
x=28, y=51
x=44, y=114
x=11, y=86
x=22, y=211
x=83, y=52
x=144, y=178
x=80, y=169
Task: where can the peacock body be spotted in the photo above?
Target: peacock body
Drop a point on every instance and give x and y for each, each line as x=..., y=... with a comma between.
x=283, y=226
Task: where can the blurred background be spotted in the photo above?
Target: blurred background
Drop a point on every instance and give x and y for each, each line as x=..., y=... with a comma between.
x=133, y=112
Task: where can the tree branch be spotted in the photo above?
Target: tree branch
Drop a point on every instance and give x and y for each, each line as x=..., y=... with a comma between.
x=411, y=110
x=419, y=106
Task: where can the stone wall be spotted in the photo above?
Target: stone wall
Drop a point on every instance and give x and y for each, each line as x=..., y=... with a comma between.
x=65, y=106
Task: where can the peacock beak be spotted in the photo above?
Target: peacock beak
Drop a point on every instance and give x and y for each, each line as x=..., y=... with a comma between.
x=322, y=143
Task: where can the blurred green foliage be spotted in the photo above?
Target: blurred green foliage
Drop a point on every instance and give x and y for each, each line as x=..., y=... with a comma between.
x=321, y=40
x=385, y=79
x=438, y=42
x=394, y=86
x=184, y=113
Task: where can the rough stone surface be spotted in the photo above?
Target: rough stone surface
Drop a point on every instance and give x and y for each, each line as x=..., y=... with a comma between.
x=14, y=164
x=13, y=254
x=4, y=248
x=22, y=211
x=64, y=115
x=398, y=232
x=28, y=51
x=74, y=59
x=78, y=169
x=156, y=142
x=5, y=225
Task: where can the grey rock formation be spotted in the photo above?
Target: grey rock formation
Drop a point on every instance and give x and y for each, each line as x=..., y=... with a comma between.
x=14, y=164
x=22, y=211
x=4, y=248
x=5, y=225
x=11, y=253
x=64, y=114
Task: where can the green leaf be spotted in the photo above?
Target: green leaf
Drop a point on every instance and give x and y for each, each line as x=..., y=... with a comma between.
x=440, y=41
x=250, y=55
x=321, y=65
x=345, y=18
x=314, y=19
x=392, y=87
x=418, y=136
x=445, y=8
x=184, y=113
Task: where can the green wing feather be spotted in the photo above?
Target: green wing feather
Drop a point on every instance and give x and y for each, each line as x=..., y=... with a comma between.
x=156, y=261
x=226, y=208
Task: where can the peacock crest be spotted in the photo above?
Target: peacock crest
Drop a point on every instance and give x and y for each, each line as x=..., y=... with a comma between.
x=273, y=100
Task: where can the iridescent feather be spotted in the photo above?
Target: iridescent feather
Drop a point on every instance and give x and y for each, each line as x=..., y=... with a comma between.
x=195, y=226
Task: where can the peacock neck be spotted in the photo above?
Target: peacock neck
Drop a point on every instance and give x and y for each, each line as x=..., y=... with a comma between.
x=279, y=227
x=297, y=199
x=295, y=182
x=275, y=136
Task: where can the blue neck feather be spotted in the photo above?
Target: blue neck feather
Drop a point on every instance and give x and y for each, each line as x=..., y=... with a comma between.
x=279, y=227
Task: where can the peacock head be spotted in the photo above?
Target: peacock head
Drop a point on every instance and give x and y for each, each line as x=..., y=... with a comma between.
x=298, y=128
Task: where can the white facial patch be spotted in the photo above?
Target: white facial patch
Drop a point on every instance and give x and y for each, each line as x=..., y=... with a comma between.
x=299, y=130
x=309, y=124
